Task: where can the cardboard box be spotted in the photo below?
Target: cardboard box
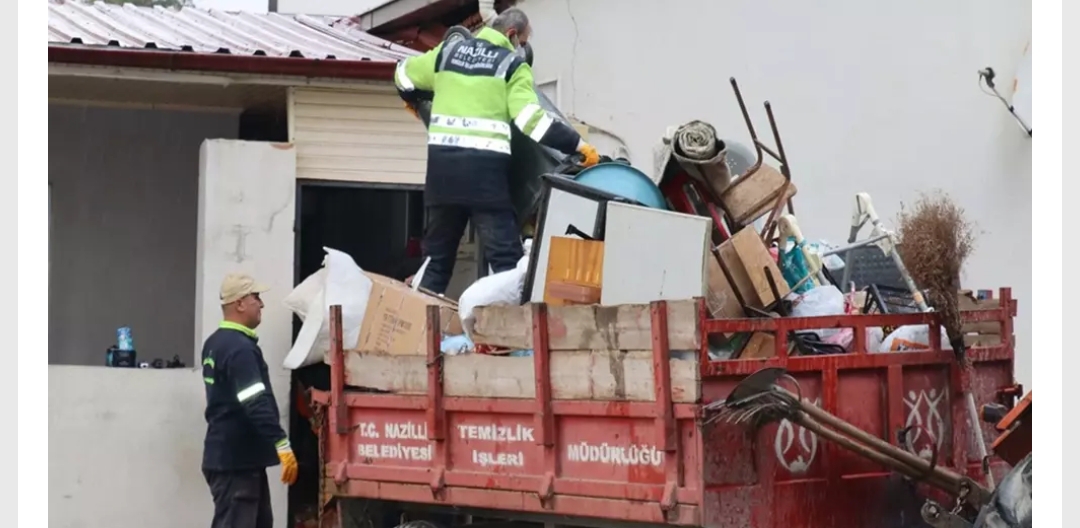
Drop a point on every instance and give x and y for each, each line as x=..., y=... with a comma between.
x=395, y=322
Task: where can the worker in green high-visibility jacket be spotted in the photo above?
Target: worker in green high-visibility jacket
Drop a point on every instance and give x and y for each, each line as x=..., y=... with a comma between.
x=480, y=88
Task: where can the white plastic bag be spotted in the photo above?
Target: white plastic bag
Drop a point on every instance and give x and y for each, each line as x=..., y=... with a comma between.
x=820, y=301
x=345, y=284
x=874, y=337
x=912, y=337
x=493, y=290
x=299, y=300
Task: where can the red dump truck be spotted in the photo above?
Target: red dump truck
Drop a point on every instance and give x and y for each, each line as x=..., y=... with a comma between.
x=603, y=424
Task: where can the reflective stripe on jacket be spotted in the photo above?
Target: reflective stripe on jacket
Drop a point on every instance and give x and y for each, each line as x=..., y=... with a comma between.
x=481, y=88
x=243, y=427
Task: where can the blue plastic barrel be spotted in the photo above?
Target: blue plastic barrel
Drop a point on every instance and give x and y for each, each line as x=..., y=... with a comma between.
x=623, y=180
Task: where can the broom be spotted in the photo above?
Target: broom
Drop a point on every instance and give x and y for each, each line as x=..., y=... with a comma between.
x=934, y=241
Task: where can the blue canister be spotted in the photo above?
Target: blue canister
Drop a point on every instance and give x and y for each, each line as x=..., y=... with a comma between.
x=123, y=339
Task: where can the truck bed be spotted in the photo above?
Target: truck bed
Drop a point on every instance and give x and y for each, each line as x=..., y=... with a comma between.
x=562, y=441
x=585, y=364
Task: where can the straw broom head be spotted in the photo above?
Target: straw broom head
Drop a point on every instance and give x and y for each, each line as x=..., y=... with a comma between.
x=934, y=241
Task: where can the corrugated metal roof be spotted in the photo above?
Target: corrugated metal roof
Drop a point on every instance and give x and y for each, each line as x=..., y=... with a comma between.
x=75, y=22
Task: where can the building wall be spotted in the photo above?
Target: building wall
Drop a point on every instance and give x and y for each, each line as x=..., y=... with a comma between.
x=133, y=437
x=247, y=204
x=869, y=96
x=124, y=190
x=125, y=448
x=362, y=135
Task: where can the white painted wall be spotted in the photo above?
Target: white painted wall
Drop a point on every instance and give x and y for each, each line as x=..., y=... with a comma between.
x=247, y=198
x=869, y=96
x=125, y=448
x=126, y=445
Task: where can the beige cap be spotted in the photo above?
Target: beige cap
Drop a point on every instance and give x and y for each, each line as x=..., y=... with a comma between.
x=238, y=285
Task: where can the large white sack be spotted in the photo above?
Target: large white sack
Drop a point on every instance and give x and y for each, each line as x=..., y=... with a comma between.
x=502, y=288
x=299, y=300
x=345, y=284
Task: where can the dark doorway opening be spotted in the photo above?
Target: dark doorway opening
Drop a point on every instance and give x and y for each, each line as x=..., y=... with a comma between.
x=380, y=227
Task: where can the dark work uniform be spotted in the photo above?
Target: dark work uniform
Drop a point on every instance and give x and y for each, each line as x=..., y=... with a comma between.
x=243, y=431
x=480, y=88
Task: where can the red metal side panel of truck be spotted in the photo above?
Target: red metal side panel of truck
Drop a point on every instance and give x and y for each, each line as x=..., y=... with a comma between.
x=657, y=462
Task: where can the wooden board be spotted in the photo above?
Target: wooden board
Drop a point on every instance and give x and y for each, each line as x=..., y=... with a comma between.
x=579, y=375
x=721, y=298
x=968, y=303
x=981, y=340
x=762, y=345
x=750, y=195
x=767, y=205
x=746, y=258
x=623, y=327
x=756, y=258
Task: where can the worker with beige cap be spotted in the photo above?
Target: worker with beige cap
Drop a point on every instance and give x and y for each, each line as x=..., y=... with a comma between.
x=243, y=433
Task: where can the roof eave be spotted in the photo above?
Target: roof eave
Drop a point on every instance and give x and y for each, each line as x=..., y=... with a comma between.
x=388, y=16
x=225, y=63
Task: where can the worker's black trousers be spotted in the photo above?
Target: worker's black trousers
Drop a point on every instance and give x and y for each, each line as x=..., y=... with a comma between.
x=241, y=499
x=497, y=229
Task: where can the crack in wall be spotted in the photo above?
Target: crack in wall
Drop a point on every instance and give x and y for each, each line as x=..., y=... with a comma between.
x=573, y=58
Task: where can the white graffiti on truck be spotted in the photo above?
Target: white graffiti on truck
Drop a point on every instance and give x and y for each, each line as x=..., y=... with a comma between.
x=805, y=451
x=616, y=455
x=927, y=426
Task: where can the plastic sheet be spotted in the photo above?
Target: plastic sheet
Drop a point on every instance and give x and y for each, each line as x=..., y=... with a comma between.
x=817, y=302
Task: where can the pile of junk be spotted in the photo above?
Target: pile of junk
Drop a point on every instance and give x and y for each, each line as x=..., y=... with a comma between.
x=716, y=221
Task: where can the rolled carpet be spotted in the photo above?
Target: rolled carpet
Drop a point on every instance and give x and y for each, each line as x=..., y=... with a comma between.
x=702, y=155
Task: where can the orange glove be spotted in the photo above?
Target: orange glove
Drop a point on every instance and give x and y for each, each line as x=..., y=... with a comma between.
x=588, y=152
x=289, y=466
x=412, y=110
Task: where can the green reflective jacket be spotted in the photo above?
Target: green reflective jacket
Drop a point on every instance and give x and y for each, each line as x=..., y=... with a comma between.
x=481, y=87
